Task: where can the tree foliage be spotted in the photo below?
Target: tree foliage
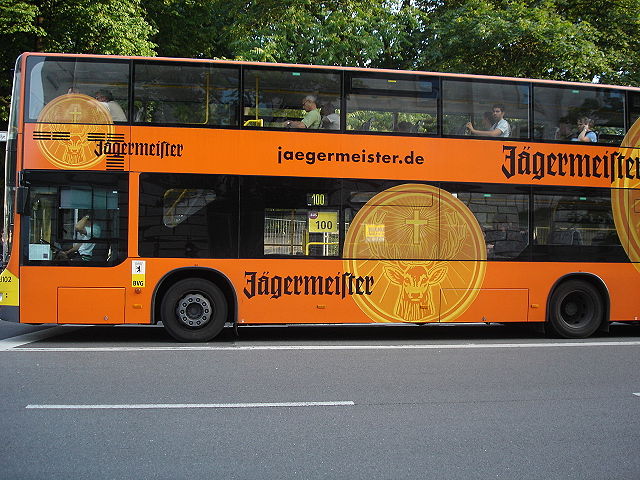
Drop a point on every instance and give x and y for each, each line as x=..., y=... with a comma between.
x=512, y=38
x=77, y=26
x=95, y=26
x=583, y=40
x=17, y=21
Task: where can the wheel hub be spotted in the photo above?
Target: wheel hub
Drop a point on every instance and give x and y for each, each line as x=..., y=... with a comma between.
x=574, y=308
x=194, y=310
x=571, y=309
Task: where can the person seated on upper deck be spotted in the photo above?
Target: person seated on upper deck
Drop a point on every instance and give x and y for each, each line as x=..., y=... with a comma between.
x=405, y=126
x=500, y=127
x=311, y=118
x=330, y=119
x=106, y=98
x=487, y=120
x=585, y=131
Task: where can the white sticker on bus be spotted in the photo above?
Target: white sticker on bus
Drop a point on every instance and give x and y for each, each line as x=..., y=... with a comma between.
x=138, y=273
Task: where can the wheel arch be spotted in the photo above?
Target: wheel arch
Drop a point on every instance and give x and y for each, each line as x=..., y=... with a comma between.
x=594, y=280
x=205, y=273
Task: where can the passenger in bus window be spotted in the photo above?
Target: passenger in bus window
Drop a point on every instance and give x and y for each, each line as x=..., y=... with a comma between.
x=330, y=119
x=405, y=126
x=500, y=127
x=585, y=131
x=86, y=230
x=106, y=98
x=563, y=130
x=487, y=120
x=311, y=118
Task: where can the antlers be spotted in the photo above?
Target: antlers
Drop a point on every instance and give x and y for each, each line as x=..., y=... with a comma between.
x=455, y=237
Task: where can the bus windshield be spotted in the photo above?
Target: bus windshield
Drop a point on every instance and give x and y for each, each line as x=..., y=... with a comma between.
x=10, y=165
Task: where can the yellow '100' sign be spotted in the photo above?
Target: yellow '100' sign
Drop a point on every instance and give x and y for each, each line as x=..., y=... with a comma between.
x=323, y=222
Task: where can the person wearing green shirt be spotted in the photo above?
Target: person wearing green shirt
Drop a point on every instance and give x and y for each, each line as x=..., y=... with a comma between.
x=311, y=118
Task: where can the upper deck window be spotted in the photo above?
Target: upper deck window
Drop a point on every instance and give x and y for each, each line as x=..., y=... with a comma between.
x=634, y=108
x=557, y=111
x=186, y=94
x=289, y=98
x=476, y=102
x=385, y=102
x=99, y=88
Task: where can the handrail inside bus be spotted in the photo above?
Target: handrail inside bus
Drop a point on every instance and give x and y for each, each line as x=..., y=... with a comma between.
x=308, y=244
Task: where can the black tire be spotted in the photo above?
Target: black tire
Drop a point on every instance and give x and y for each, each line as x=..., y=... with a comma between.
x=576, y=309
x=193, y=310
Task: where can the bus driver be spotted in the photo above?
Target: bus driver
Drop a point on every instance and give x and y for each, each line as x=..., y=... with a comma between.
x=85, y=230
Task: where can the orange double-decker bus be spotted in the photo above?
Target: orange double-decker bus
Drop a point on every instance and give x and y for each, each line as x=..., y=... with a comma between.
x=201, y=193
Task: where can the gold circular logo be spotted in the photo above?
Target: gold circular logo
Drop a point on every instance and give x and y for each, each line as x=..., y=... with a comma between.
x=65, y=124
x=625, y=200
x=413, y=240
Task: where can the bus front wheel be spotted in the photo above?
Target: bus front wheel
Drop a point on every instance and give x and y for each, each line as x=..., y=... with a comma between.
x=193, y=310
x=576, y=309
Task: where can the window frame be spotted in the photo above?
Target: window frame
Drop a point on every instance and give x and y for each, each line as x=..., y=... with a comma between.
x=349, y=89
x=208, y=65
x=43, y=59
x=529, y=89
x=118, y=181
x=293, y=69
x=624, y=113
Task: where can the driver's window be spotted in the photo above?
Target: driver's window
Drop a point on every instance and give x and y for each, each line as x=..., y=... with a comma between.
x=68, y=224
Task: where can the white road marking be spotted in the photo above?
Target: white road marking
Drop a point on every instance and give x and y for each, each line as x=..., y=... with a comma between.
x=250, y=348
x=147, y=406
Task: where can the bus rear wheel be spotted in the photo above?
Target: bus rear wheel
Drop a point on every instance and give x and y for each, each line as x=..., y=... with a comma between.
x=193, y=310
x=576, y=309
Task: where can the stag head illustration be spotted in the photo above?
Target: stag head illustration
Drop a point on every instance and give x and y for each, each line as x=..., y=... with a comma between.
x=417, y=278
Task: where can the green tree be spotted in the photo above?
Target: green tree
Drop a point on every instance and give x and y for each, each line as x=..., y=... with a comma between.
x=580, y=40
x=375, y=33
x=192, y=28
x=112, y=27
x=517, y=38
x=78, y=26
x=372, y=33
x=558, y=39
x=616, y=25
x=17, y=21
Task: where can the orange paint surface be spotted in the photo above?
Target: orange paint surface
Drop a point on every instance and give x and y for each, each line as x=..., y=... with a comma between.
x=502, y=297
x=321, y=154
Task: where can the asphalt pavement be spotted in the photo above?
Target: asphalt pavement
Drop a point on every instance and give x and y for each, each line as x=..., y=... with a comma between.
x=436, y=402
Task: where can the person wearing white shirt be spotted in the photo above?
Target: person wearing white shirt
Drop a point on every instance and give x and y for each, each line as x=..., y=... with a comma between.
x=500, y=127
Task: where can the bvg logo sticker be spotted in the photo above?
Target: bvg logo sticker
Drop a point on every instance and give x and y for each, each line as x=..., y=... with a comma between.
x=66, y=124
x=423, y=237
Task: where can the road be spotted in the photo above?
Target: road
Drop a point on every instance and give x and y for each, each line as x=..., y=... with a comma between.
x=434, y=402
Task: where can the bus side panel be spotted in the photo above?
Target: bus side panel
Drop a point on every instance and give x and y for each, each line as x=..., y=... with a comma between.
x=621, y=281
x=283, y=153
x=495, y=305
x=70, y=294
x=91, y=305
x=274, y=291
x=511, y=292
